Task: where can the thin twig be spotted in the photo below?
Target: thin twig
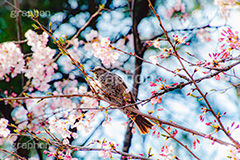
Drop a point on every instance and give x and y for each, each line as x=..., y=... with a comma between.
x=185, y=146
x=13, y=153
x=135, y=111
x=192, y=79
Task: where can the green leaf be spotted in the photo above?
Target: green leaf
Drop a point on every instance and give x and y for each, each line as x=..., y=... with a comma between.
x=35, y=26
x=16, y=131
x=193, y=95
x=36, y=13
x=49, y=93
x=26, y=95
x=61, y=40
x=81, y=65
x=39, y=100
x=50, y=26
x=101, y=6
x=30, y=14
x=149, y=151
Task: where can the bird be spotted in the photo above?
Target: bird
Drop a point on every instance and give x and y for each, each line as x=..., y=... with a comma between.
x=116, y=91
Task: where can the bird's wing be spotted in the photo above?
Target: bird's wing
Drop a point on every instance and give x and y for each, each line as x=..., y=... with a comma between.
x=125, y=91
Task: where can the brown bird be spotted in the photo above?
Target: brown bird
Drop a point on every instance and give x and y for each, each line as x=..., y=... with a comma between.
x=117, y=92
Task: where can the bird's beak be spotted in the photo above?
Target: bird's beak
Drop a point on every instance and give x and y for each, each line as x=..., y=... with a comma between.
x=92, y=70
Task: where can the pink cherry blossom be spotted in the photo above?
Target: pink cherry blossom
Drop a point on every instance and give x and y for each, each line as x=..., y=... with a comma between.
x=225, y=6
x=178, y=7
x=105, y=154
x=203, y=35
x=232, y=151
x=3, y=123
x=166, y=151
x=156, y=44
x=104, y=52
x=40, y=67
x=153, y=59
x=11, y=60
x=4, y=131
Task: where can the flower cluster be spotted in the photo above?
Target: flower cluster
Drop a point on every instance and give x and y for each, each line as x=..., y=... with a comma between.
x=40, y=66
x=105, y=154
x=108, y=147
x=177, y=10
x=167, y=152
x=76, y=119
x=105, y=52
x=180, y=40
x=168, y=51
x=11, y=94
x=4, y=131
x=156, y=44
x=61, y=127
x=195, y=141
x=11, y=60
x=204, y=111
x=161, y=86
x=102, y=49
x=64, y=154
x=230, y=41
x=36, y=110
x=216, y=62
x=225, y=6
x=233, y=151
x=231, y=38
x=203, y=35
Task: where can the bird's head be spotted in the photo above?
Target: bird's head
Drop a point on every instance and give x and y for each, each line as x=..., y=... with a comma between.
x=98, y=71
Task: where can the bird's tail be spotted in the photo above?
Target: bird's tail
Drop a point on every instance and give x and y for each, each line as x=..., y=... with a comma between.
x=142, y=124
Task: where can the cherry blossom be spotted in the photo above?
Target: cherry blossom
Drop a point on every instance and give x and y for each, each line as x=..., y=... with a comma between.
x=225, y=6
x=60, y=126
x=156, y=44
x=3, y=123
x=105, y=154
x=35, y=40
x=156, y=100
x=4, y=131
x=105, y=52
x=178, y=8
x=203, y=35
x=161, y=85
x=11, y=60
x=21, y=113
x=232, y=151
x=231, y=39
x=74, y=52
x=153, y=59
x=166, y=152
x=40, y=67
